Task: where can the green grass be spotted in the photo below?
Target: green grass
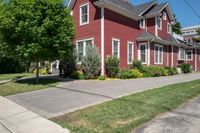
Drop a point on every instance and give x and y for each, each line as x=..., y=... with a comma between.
x=26, y=85
x=124, y=114
x=14, y=76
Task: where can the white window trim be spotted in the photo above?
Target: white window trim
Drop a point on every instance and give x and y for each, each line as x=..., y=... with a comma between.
x=84, y=46
x=168, y=24
x=132, y=43
x=165, y=16
x=179, y=54
x=160, y=28
x=191, y=55
x=146, y=52
x=144, y=25
x=114, y=39
x=158, y=63
x=80, y=14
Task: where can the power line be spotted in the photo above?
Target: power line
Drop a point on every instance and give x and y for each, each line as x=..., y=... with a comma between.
x=194, y=11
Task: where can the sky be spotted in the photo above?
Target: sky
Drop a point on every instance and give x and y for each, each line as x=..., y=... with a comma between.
x=184, y=13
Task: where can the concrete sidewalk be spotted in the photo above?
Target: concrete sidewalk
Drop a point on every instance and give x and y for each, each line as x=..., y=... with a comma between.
x=16, y=119
x=185, y=119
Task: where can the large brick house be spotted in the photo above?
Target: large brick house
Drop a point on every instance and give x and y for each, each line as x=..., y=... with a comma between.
x=130, y=32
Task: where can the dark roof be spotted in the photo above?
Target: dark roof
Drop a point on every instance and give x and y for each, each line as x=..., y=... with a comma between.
x=158, y=8
x=147, y=35
x=172, y=39
x=142, y=7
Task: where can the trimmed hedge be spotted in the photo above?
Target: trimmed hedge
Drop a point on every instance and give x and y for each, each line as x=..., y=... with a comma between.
x=130, y=73
x=186, y=68
x=154, y=71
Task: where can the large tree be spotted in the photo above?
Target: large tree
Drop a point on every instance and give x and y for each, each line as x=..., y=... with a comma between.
x=36, y=30
x=176, y=26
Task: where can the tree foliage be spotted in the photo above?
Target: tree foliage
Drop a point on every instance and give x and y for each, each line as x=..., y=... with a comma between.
x=176, y=26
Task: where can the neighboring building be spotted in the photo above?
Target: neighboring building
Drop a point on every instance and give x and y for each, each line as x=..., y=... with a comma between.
x=130, y=32
x=190, y=32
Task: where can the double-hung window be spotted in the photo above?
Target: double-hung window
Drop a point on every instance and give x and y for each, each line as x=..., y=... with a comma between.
x=84, y=14
x=142, y=23
x=181, y=54
x=116, y=48
x=143, y=53
x=164, y=15
x=169, y=28
x=158, y=54
x=159, y=23
x=189, y=55
x=81, y=47
x=130, y=50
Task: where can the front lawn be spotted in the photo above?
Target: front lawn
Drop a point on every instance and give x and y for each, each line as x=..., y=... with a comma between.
x=15, y=76
x=124, y=114
x=26, y=85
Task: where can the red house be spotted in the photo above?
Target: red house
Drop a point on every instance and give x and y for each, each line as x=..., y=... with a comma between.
x=130, y=32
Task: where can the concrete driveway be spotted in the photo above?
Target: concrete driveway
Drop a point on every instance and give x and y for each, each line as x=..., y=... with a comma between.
x=74, y=95
x=185, y=119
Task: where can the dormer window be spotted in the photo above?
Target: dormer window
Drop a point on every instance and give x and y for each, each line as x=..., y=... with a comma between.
x=164, y=15
x=142, y=23
x=84, y=14
x=169, y=28
x=159, y=23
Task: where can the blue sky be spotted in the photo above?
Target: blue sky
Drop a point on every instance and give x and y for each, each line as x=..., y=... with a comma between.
x=183, y=13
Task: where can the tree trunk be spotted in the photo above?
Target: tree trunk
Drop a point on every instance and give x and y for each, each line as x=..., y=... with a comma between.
x=37, y=72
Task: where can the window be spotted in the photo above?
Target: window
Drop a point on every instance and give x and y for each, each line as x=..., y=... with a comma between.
x=181, y=54
x=189, y=55
x=159, y=23
x=116, y=48
x=81, y=48
x=164, y=15
x=158, y=54
x=142, y=23
x=130, y=52
x=169, y=28
x=84, y=14
x=143, y=53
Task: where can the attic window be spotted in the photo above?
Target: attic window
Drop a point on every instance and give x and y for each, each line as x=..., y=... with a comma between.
x=159, y=23
x=164, y=15
x=84, y=14
x=142, y=23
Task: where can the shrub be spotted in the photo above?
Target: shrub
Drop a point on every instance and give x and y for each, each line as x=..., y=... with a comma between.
x=186, y=68
x=154, y=71
x=112, y=66
x=137, y=65
x=91, y=62
x=171, y=70
x=136, y=73
x=101, y=78
x=42, y=71
x=77, y=75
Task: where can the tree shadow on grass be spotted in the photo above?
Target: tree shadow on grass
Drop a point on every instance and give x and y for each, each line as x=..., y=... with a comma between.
x=42, y=81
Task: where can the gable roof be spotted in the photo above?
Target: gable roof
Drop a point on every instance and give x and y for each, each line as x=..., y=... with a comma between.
x=140, y=9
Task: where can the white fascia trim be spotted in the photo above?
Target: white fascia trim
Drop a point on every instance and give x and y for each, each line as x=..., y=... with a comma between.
x=191, y=55
x=80, y=14
x=157, y=63
x=156, y=27
x=114, y=39
x=132, y=43
x=146, y=52
x=102, y=42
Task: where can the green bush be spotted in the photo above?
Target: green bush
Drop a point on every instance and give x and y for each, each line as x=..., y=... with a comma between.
x=171, y=70
x=154, y=71
x=186, y=68
x=112, y=66
x=91, y=62
x=77, y=75
x=101, y=78
x=130, y=73
x=137, y=65
x=136, y=73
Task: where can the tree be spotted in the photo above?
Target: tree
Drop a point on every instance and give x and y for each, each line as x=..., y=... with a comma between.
x=36, y=30
x=91, y=62
x=176, y=26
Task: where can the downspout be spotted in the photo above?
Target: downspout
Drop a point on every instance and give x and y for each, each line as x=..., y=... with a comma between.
x=172, y=56
x=102, y=42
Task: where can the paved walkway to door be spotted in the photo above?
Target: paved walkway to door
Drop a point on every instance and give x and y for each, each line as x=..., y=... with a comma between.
x=73, y=95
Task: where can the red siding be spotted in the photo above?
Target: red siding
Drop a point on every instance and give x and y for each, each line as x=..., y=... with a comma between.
x=151, y=25
x=192, y=62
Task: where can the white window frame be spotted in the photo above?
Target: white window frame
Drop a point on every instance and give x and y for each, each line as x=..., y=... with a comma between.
x=180, y=54
x=164, y=15
x=191, y=55
x=88, y=14
x=146, y=53
x=158, y=17
x=118, y=40
x=84, y=46
x=159, y=46
x=144, y=23
x=169, y=30
x=130, y=43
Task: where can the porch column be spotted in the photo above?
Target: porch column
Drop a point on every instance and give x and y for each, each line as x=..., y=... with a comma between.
x=102, y=42
x=172, y=56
